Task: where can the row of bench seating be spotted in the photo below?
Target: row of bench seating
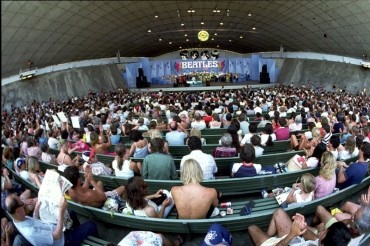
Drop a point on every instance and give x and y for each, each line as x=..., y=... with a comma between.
x=260, y=216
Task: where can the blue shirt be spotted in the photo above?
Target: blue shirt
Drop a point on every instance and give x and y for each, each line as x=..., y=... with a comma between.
x=354, y=174
x=176, y=138
x=115, y=139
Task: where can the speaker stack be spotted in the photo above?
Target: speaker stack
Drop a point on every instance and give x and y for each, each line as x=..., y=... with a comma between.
x=141, y=81
x=264, y=75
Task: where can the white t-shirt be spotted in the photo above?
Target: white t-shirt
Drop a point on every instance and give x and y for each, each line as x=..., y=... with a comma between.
x=126, y=172
x=344, y=154
x=200, y=125
x=246, y=138
x=265, y=137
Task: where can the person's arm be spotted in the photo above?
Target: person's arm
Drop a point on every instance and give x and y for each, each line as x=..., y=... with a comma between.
x=37, y=180
x=292, y=199
x=134, y=167
x=99, y=193
x=36, y=214
x=8, y=184
x=184, y=130
x=132, y=149
x=58, y=232
x=341, y=177
x=8, y=234
x=295, y=230
x=222, y=116
x=109, y=143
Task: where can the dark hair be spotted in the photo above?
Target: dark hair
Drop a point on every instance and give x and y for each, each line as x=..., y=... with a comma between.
x=252, y=128
x=153, y=124
x=72, y=174
x=16, y=152
x=335, y=141
x=114, y=130
x=255, y=140
x=12, y=205
x=247, y=153
x=282, y=122
x=194, y=143
x=269, y=130
x=318, y=151
x=135, y=192
x=120, y=150
x=44, y=146
x=359, y=141
x=233, y=130
x=338, y=234
x=229, y=117
x=366, y=149
x=326, y=128
x=157, y=144
x=266, y=116
x=135, y=135
x=64, y=134
x=30, y=142
x=311, y=125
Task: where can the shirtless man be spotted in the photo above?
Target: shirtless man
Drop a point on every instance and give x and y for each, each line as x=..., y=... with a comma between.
x=193, y=201
x=85, y=196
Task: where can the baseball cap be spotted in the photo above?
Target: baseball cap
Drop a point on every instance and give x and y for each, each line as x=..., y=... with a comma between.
x=88, y=154
x=20, y=162
x=217, y=235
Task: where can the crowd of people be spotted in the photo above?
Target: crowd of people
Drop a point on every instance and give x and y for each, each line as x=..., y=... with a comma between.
x=337, y=125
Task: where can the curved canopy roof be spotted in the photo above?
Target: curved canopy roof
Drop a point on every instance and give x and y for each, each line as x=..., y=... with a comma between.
x=54, y=32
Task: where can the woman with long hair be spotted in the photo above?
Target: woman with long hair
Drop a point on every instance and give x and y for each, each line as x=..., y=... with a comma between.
x=122, y=166
x=34, y=174
x=97, y=141
x=326, y=180
x=268, y=136
x=139, y=203
x=348, y=151
x=139, y=147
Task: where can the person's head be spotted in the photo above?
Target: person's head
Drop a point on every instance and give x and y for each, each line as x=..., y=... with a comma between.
x=242, y=117
x=64, y=134
x=350, y=144
x=153, y=124
x=114, y=130
x=15, y=206
x=337, y=234
x=282, y=122
x=135, y=135
x=33, y=164
x=365, y=150
x=268, y=129
x=255, y=140
x=195, y=132
x=194, y=143
x=191, y=172
x=135, y=192
x=72, y=174
x=355, y=130
x=247, y=153
x=215, y=117
x=308, y=183
x=21, y=164
x=90, y=156
x=266, y=116
x=252, y=128
x=94, y=139
x=365, y=131
x=229, y=117
x=361, y=218
x=173, y=125
x=311, y=125
x=326, y=127
x=315, y=132
x=157, y=144
x=226, y=139
x=334, y=141
x=325, y=121
x=197, y=117
x=319, y=149
x=44, y=147
x=7, y=152
x=328, y=165
x=16, y=152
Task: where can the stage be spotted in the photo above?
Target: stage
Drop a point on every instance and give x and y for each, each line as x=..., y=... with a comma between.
x=213, y=86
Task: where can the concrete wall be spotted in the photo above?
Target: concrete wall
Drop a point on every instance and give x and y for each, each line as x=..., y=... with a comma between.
x=299, y=71
x=61, y=84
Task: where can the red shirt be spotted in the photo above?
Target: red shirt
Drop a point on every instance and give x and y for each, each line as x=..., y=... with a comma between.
x=82, y=146
x=207, y=119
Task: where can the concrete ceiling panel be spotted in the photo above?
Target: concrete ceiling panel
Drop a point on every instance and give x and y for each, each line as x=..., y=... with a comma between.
x=6, y=18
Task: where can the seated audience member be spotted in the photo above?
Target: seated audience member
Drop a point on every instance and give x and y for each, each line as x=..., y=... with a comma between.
x=256, y=142
x=46, y=157
x=139, y=147
x=354, y=173
x=142, y=126
x=33, y=148
x=235, y=132
x=333, y=145
x=188, y=206
x=149, y=238
x=326, y=180
x=283, y=231
x=206, y=161
x=244, y=124
x=311, y=160
x=97, y=141
x=35, y=176
x=301, y=192
x=247, y=137
x=215, y=122
x=247, y=168
x=365, y=133
x=177, y=135
x=83, y=194
x=296, y=125
x=226, y=120
x=63, y=158
x=282, y=133
x=8, y=156
x=198, y=122
x=38, y=232
x=196, y=132
x=53, y=141
x=344, y=135
x=156, y=134
x=265, y=120
x=96, y=166
x=139, y=203
x=226, y=150
x=21, y=165
x=122, y=166
x=79, y=145
x=349, y=150
x=268, y=136
x=24, y=144
x=358, y=223
x=115, y=138
x=338, y=126
x=157, y=165
x=325, y=133
x=304, y=142
x=349, y=209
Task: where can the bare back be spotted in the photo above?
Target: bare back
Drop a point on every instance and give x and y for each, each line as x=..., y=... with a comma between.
x=193, y=200
x=86, y=196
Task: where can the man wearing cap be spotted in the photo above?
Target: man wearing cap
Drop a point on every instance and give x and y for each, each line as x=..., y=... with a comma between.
x=177, y=135
x=21, y=164
x=97, y=167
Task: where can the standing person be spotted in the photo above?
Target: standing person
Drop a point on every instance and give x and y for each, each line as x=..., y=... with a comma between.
x=29, y=64
x=206, y=161
x=188, y=206
x=157, y=165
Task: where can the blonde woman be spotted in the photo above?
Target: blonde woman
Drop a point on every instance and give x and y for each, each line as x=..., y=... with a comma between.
x=157, y=134
x=196, y=132
x=325, y=182
x=204, y=204
x=304, y=143
x=33, y=169
x=122, y=166
x=349, y=151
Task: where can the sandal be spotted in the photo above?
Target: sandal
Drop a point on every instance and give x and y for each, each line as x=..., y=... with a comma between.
x=180, y=239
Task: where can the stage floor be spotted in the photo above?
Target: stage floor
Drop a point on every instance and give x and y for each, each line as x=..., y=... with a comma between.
x=213, y=86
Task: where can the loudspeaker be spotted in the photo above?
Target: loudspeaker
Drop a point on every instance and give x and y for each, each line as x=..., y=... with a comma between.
x=264, y=68
x=264, y=80
x=141, y=72
x=175, y=85
x=141, y=83
x=208, y=83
